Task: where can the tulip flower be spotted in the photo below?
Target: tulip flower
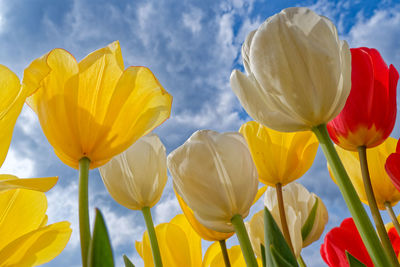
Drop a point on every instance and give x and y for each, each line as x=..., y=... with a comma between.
x=341, y=239
x=95, y=108
x=306, y=214
x=8, y=182
x=369, y=115
x=279, y=157
x=394, y=239
x=392, y=166
x=298, y=71
x=12, y=99
x=384, y=190
x=216, y=177
x=180, y=245
x=136, y=177
x=25, y=237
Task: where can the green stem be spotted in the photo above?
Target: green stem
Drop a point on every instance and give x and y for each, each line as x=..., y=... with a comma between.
x=282, y=215
x=222, y=244
x=263, y=256
x=389, y=209
x=352, y=200
x=244, y=241
x=301, y=262
x=387, y=245
x=152, y=236
x=84, y=224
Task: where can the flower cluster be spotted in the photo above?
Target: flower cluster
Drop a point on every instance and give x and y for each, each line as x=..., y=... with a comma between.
x=303, y=87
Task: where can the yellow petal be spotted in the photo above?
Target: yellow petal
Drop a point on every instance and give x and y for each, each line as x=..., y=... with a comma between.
x=260, y=193
x=201, y=230
x=36, y=247
x=21, y=211
x=174, y=247
x=213, y=250
x=44, y=184
x=192, y=237
x=383, y=187
x=53, y=101
x=279, y=157
x=139, y=104
x=214, y=257
x=11, y=101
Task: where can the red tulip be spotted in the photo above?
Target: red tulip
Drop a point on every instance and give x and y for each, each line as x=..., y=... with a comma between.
x=341, y=239
x=369, y=114
x=392, y=167
x=394, y=239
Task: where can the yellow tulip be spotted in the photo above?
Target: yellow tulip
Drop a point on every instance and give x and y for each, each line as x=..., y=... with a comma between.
x=25, y=239
x=94, y=108
x=136, y=177
x=214, y=258
x=298, y=71
x=279, y=157
x=12, y=99
x=383, y=187
x=216, y=177
x=179, y=244
x=305, y=212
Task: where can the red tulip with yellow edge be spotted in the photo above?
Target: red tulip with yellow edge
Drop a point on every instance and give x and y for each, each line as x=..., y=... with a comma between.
x=369, y=115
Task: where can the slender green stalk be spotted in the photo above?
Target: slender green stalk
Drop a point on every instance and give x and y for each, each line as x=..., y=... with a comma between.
x=84, y=224
x=152, y=236
x=263, y=256
x=244, y=241
x=389, y=209
x=224, y=251
x=387, y=245
x=352, y=200
x=282, y=215
x=301, y=262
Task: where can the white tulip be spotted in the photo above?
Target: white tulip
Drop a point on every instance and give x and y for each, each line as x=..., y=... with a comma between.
x=298, y=71
x=136, y=177
x=216, y=177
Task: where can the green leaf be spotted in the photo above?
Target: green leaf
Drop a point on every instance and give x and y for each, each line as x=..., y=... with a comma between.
x=353, y=261
x=277, y=251
x=100, y=250
x=264, y=263
x=308, y=225
x=128, y=262
x=279, y=260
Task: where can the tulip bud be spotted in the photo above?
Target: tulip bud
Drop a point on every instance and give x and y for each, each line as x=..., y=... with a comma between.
x=305, y=213
x=279, y=157
x=136, y=178
x=369, y=115
x=384, y=190
x=215, y=176
x=298, y=71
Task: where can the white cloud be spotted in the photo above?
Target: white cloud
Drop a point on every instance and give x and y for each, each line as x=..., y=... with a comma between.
x=18, y=165
x=192, y=19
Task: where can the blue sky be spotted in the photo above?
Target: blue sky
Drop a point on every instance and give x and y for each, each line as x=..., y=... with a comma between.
x=192, y=47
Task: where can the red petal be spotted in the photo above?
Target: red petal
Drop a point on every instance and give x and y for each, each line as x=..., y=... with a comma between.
x=392, y=167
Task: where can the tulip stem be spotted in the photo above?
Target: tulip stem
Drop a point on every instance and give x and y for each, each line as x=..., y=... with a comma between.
x=387, y=245
x=282, y=215
x=84, y=224
x=352, y=200
x=244, y=241
x=301, y=262
x=222, y=244
x=152, y=236
x=389, y=209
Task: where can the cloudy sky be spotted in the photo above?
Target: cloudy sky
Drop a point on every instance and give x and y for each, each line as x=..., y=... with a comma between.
x=192, y=47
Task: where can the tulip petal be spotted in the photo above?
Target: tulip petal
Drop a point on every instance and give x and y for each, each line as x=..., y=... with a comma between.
x=392, y=167
x=21, y=211
x=44, y=184
x=212, y=251
x=142, y=104
x=12, y=99
x=263, y=107
x=204, y=232
x=37, y=247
